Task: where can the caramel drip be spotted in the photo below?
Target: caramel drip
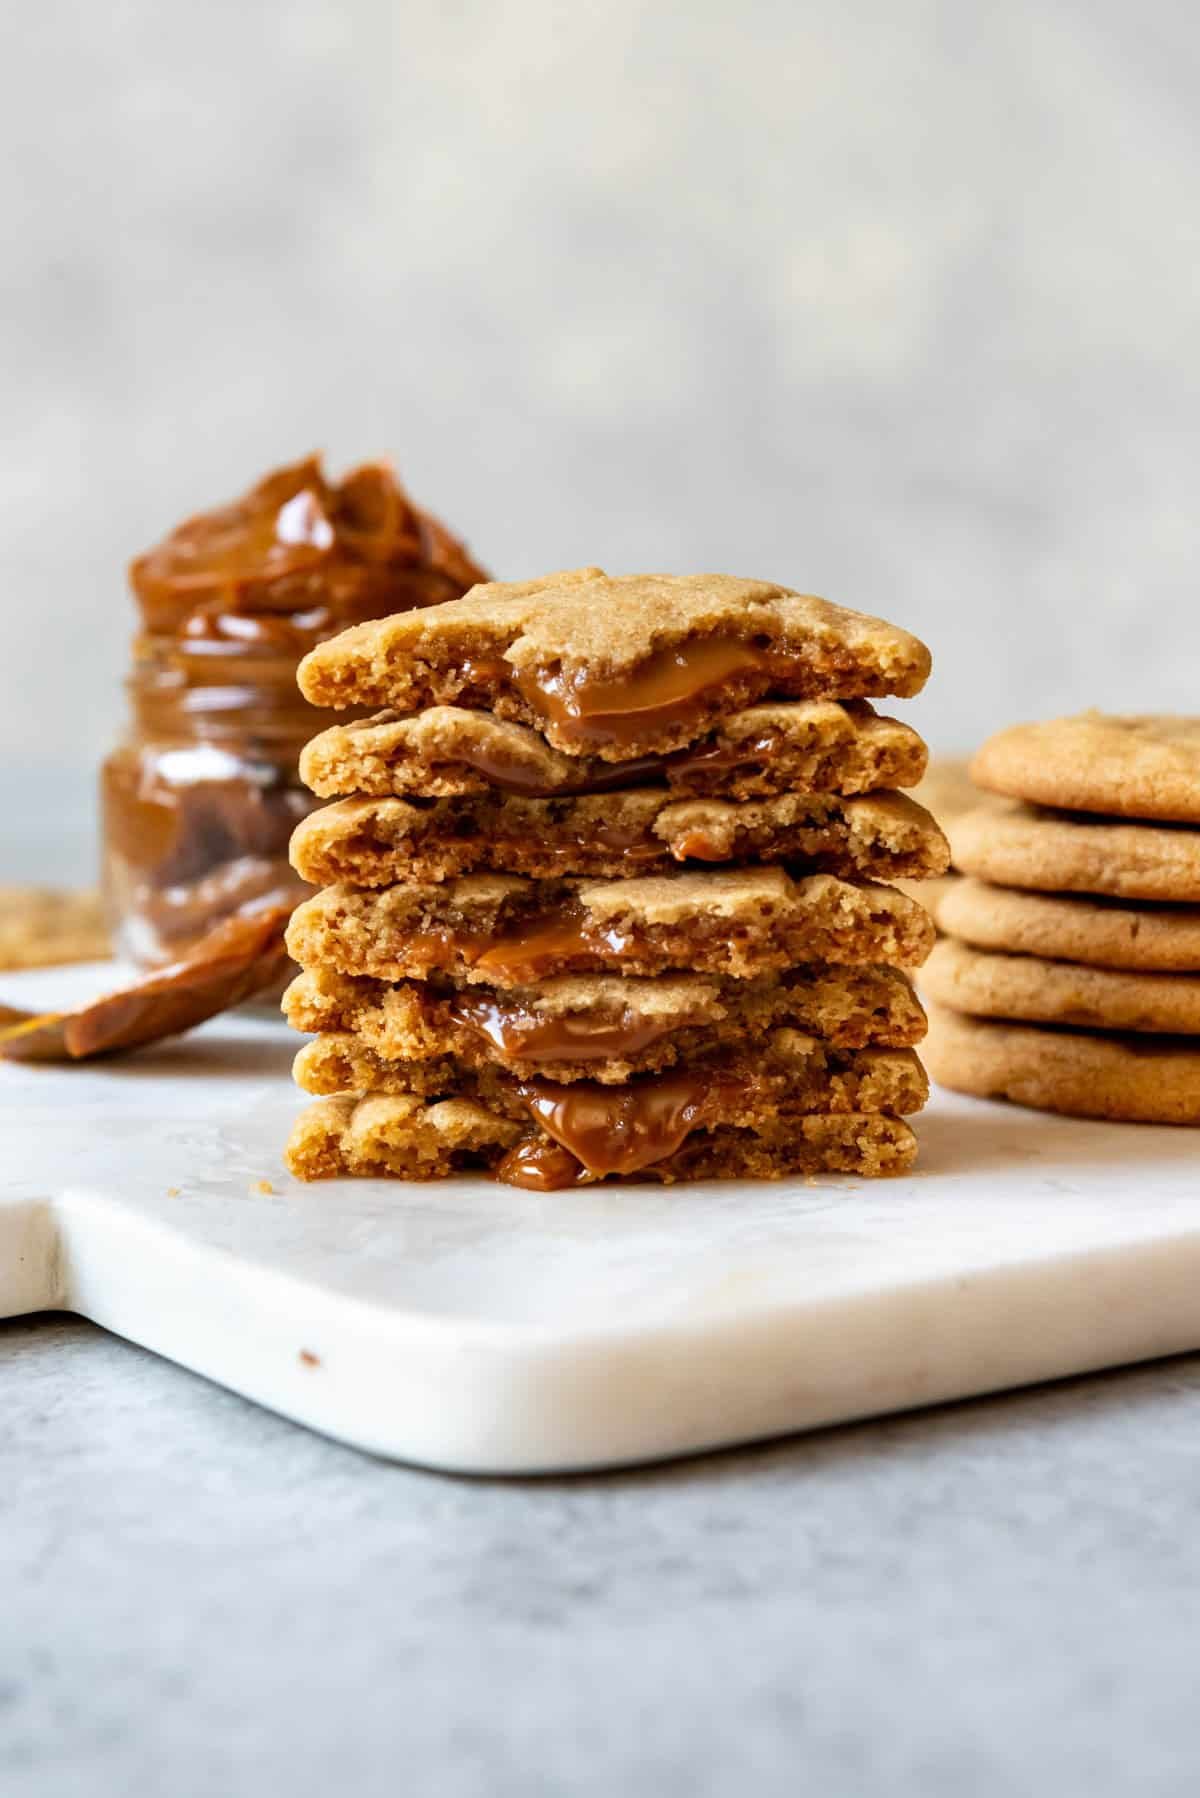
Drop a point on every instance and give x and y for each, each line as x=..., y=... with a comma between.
x=667, y=688
x=520, y=1033
x=698, y=846
x=541, y=1166
x=439, y=946
x=535, y=948
x=484, y=672
x=621, y=1129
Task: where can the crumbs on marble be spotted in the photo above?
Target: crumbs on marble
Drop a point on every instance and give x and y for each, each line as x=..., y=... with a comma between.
x=308, y=1359
x=172, y=1192
x=263, y=1186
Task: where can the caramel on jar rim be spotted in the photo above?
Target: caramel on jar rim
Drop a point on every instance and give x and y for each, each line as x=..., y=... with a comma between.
x=356, y=548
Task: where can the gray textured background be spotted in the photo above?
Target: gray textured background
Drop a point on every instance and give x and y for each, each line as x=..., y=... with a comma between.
x=893, y=300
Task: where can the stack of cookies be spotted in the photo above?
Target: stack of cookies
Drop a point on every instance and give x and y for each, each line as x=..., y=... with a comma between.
x=1069, y=977
x=603, y=888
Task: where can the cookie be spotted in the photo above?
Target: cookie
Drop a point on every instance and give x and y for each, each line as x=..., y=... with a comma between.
x=410, y=1139
x=606, y=1027
x=928, y=893
x=946, y=792
x=786, y=1068
x=791, y=1075
x=811, y=746
x=1021, y=846
x=372, y=842
x=1136, y=1079
x=1060, y=992
x=947, y=789
x=1127, y=767
x=42, y=927
x=1100, y=933
x=502, y=930
x=616, y=667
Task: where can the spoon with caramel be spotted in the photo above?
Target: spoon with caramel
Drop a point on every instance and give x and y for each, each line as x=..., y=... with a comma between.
x=239, y=958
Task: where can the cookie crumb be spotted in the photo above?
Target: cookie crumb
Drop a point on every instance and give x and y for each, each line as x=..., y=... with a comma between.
x=309, y=1359
x=263, y=1186
x=172, y=1192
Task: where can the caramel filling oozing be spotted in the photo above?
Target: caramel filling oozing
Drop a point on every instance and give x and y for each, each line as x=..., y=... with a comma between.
x=485, y=672
x=724, y=758
x=524, y=954
x=541, y=1166
x=667, y=688
x=698, y=846
x=528, y=952
x=511, y=779
x=642, y=770
x=520, y=1033
x=531, y=951
x=621, y=1129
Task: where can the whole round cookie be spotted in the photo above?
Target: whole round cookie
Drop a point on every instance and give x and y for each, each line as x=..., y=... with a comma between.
x=1128, y=767
x=1101, y=933
x=1021, y=846
x=1134, y=1079
x=1060, y=992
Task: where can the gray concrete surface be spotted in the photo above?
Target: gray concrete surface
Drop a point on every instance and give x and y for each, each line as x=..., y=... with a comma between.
x=205, y=1601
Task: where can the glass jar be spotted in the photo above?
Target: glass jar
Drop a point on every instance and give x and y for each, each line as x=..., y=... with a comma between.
x=200, y=798
x=201, y=795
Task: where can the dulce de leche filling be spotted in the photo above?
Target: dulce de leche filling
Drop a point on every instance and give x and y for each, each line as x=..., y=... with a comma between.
x=667, y=688
x=528, y=952
x=532, y=950
x=521, y=1033
x=609, y=1129
x=681, y=764
x=510, y=778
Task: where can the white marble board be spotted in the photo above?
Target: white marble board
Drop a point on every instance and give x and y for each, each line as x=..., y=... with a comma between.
x=472, y=1327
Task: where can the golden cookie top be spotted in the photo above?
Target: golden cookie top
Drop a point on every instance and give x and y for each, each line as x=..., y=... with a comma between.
x=616, y=666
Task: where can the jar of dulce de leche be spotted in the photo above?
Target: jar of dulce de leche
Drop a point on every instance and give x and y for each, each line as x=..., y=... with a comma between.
x=201, y=795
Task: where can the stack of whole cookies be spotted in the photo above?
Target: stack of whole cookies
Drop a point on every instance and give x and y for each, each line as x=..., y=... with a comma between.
x=602, y=888
x=1069, y=978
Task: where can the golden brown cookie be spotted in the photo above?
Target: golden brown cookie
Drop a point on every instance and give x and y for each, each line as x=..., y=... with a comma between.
x=605, y=1027
x=812, y=746
x=1136, y=1079
x=1126, y=767
x=616, y=667
x=410, y=1139
x=373, y=842
x=946, y=792
x=1101, y=933
x=947, y=789
x=1021, y=846
x=1060, y=992
x=502, y=930
x=789, y=1075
